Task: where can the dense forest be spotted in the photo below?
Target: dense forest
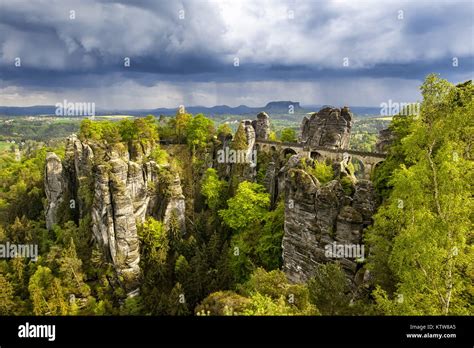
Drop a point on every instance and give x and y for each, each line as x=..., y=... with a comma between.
x=228, y=260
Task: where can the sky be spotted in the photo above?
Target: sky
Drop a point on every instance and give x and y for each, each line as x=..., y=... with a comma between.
x=152, y=53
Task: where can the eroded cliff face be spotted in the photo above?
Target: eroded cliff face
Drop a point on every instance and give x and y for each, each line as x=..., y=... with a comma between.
x=262, y=126
x=384, y=140
x=319, y=217
x=54, y=183
x=117, y=186
x=241, y=166
x=330, y=127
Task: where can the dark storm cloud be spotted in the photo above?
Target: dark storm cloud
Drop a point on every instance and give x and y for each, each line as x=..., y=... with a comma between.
x=273, y=40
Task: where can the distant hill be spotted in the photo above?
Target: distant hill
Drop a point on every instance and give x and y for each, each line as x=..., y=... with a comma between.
x=27, y=110
x=271, y=107
x=275, y=107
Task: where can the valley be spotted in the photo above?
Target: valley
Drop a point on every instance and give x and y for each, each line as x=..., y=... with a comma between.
x=143, y=215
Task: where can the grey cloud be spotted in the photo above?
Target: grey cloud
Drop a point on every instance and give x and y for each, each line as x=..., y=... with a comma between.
x=61, y=54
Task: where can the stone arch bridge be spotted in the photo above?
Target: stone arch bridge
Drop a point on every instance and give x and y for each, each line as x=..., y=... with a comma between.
x=367, y=160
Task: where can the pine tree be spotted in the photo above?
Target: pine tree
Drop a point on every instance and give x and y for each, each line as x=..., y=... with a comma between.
x=177, y=304
x=240, y=138
x=46, y=294
x=7, y=301
x=70, y=271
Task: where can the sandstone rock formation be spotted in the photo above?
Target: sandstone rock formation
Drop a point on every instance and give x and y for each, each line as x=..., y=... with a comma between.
x=262, y=126
x=270, y=181
x=329, y=127
x=54, y=185
x=250, y=134
x=116, y=186
x=246, y=171
x=175, y=207
x=384, y=140
x=318, y=215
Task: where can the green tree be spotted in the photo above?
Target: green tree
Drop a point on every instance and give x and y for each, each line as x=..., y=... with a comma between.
x=265, y=293
x=400, y=127
x=159, y=155
x=146, y=128
x=128, y=130
x=323, y=172
x=258, y=232
x=177, y=301
x=46, y=293
x=110, y=132
x=213, y=189
x=422, y=231
x=155, y=243
x=329, y=290
x=288, y=135
x=320, y=170
x=90, y=130
x=240, y=138
x=200, y=131
x=181, y=125
x=272, y=136
x=224, y=130
x=22, y=189
x=7, y=301
x=223, y=303
x=268, y=246
x=70, y=272
x=132, y=306
x=249, y=205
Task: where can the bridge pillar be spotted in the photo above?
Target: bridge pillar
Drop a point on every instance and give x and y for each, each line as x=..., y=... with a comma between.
x=368, y=168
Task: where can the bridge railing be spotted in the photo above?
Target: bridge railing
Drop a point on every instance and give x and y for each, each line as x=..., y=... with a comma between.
x=323, y=148
x=279, y=143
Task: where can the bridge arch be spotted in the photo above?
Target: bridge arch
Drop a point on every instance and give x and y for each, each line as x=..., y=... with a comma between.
x=359, y=167
x=288, y=150
x=316, y=156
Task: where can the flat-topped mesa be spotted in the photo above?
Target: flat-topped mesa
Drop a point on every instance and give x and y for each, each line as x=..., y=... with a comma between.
x=329, y=127
x=262, y=126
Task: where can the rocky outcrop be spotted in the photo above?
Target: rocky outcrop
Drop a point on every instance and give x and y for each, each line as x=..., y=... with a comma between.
x=78, y=163
x=384, y=140
x=54, y=186
x=262, y=126
x=113, y=220
x=117, y=186
x=318, y=217
x=365, y=200
x=250, y=134
x=270, y=181
x=247, y=170
x=329, y=127
x=342, y=168
x=175, y=209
